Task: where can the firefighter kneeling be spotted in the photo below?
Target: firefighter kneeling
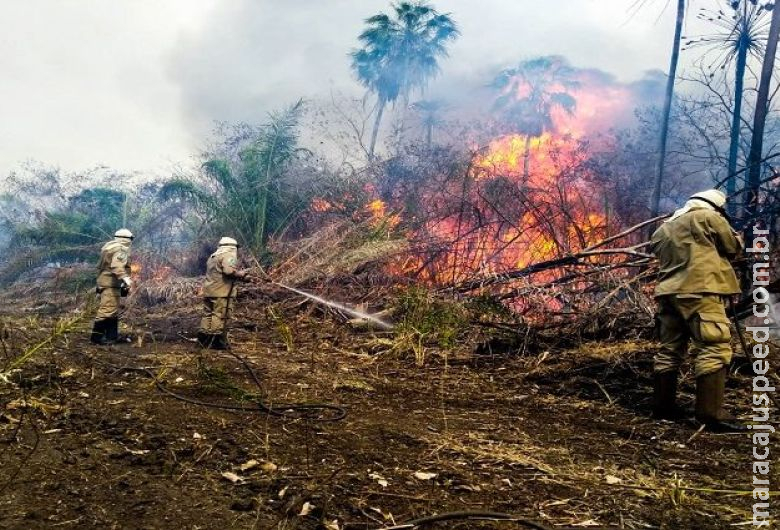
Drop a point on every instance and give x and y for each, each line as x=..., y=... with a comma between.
x=694, y=247
x=219, y=294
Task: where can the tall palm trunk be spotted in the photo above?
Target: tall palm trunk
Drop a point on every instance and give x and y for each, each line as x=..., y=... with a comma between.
x=379, y=111
x=527, y=159
x=759, y=122
x=736, y=123
x=659, y=176
x=124, y=210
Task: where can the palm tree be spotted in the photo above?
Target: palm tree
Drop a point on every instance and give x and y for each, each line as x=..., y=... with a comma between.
x=530, y=92
x=401, y=53
x=741, y=34
x=429, y=111
x=659, y=176
x=759, y=120
x=246, y=196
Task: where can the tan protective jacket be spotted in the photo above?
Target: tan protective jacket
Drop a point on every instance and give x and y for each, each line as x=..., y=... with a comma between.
x=114, y=263
x=221, y=273
x=694, y=252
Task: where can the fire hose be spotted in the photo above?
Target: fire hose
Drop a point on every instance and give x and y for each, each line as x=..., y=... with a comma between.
x=279, y=409
x=284, y=410
x=474, y=516
x=296, y=410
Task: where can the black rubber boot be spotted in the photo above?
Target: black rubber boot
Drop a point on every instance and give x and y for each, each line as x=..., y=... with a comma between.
x=665, y=397
x=204, y=339
x=98, y=335
x=220, y=342
x=709, y=404
x=111, y=330
x=211, y=341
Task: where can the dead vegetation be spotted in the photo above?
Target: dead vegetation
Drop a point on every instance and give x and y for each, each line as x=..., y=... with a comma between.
x=464, y=406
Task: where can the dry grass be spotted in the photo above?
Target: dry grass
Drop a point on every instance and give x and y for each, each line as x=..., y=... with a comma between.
x=333, y=251
x=482, y=449
x=167, y=291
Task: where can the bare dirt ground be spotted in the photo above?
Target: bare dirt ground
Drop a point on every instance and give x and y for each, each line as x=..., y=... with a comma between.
x=87, y=440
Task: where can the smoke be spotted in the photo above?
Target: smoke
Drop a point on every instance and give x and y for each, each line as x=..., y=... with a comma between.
x=254, y=56
x=604, y=104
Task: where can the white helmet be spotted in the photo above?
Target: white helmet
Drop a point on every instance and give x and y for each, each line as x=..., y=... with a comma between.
x=124, y=233
x=714, y=197
x=228, y=242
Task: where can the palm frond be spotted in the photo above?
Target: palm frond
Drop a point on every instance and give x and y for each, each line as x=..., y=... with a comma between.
x=565, y=101
x=219, y=170
x=401, y=53
x=186, y=190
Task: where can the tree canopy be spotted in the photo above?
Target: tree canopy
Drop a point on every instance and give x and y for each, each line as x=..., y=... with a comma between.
x=401, y=52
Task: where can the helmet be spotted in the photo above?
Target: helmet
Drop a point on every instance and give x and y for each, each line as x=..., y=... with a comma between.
x=124, y=233
x=715, y=197
x=228, y=242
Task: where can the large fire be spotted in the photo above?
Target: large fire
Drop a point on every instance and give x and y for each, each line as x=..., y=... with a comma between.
x=534, y=196
x=524, y=197
x=517, y=219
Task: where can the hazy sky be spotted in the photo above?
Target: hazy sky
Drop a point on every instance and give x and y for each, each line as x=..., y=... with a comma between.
x=137, y=84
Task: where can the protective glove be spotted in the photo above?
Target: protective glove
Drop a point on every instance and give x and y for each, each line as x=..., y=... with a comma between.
x=124, y=287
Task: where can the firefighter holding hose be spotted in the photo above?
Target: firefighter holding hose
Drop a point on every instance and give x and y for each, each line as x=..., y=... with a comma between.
x=219, y=294
x=113, y=282
x=694, y=248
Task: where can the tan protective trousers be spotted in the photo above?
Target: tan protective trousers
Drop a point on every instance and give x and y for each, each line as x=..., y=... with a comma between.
x=215, y=313
x=695, y=323
x=108, y=303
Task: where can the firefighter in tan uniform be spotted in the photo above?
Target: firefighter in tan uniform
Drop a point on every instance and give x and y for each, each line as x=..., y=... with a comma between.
x=113, y=282
x=694, y=248
x=219, y=294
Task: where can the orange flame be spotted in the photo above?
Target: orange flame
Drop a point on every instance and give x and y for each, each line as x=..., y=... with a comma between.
x=161, y=273
x=551, y=210
x=524, y=200
x=321, y=205
x=377, y=208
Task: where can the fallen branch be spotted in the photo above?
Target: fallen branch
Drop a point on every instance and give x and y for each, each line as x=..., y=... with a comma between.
x=574, y=259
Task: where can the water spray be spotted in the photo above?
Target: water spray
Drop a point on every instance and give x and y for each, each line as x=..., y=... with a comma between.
x=336, y=305
x=357, y=313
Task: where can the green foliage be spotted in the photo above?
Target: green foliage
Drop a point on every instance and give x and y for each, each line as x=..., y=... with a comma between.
x=249, y=196
x=57, y=217
x=283, y=329
x=89, y=217
x=427, y=320
x=401, y=53
x=216, y=380
x=67, y=233
x=486, y=306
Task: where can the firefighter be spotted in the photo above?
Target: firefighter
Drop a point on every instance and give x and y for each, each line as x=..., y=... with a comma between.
x=219, y=294
x=694, y=248
x=113, y=282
